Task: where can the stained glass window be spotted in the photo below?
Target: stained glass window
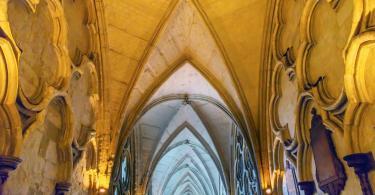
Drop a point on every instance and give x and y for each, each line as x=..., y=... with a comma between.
x=247, y=182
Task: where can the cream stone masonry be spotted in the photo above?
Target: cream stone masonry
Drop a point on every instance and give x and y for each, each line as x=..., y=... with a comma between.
x=85, y=84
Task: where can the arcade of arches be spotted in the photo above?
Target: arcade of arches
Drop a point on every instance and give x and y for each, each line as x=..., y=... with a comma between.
x=187, y=97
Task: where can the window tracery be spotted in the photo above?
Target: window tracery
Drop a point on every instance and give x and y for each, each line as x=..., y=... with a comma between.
x=122, y=181
x=246, y=176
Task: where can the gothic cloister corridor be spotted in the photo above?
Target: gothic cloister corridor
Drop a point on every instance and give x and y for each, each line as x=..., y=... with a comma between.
x=187, y=97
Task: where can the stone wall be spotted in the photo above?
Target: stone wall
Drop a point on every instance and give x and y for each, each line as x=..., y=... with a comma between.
x=37, y=174
x=316, y=63
x=57, y=96
x=321, y=56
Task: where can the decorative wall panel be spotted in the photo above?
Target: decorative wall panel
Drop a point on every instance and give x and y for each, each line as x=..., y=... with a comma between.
x=42, y=32
x=324, y=48
x=324, y=33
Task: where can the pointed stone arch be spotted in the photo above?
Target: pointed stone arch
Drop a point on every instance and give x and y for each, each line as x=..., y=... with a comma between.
x=220, y=107
x=166, y=147
x=148, y=78
x=189, y=187
x=238, y=105
x=180, y=165
x=192, y=181
x=190, y=175
x=230, y=107
x=204, y=72
x=223, y=79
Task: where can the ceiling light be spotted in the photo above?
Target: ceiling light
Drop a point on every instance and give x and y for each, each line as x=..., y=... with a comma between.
x=102, y=190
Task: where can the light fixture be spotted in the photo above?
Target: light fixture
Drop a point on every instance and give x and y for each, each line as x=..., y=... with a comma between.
x=102, y=190
x=268, y=191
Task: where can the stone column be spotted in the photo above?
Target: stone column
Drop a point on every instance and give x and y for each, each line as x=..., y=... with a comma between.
x=7, y=164
x=10, y=122
x=62, y=188
x=308, y=187
x=10, y=142
x=362, y=164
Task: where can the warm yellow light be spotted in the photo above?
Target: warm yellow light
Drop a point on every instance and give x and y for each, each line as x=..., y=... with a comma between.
x=268, y=191
x=103, y=181
x=102, y=190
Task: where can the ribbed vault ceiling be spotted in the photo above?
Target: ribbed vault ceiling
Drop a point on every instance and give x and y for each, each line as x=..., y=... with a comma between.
x=183, y=137
x=184, y=98
x=182, y=159
x=146, y=38
x=182, y=149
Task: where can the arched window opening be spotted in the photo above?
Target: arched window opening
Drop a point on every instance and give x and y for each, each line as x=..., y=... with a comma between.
x=123, y=179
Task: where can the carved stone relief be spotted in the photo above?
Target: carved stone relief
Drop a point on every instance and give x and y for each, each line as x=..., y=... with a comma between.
x=10, y=122
x=283, y=122
x=45, y=73
x=84, y=178
x=47, y=148
x=84, y=94
x=44, y=63
x=324, y=32
x=358, y=55
x=64, y=137
x=81, y=19
x=286, y=36
x=359, y=81
x=304, y=154
x=284, y=94
x=332, y=66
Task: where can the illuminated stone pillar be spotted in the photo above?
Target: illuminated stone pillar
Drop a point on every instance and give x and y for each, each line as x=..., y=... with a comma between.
x=10, y=122
x=10, y=141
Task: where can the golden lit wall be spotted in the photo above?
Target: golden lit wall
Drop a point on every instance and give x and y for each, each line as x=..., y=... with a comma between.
x=55, y=51
x=67, y=69
x=322, y=57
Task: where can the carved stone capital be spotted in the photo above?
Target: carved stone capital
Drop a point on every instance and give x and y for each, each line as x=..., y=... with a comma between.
x=308, y=187
x=362, y=164
x=62, y=188
x=7, y=164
